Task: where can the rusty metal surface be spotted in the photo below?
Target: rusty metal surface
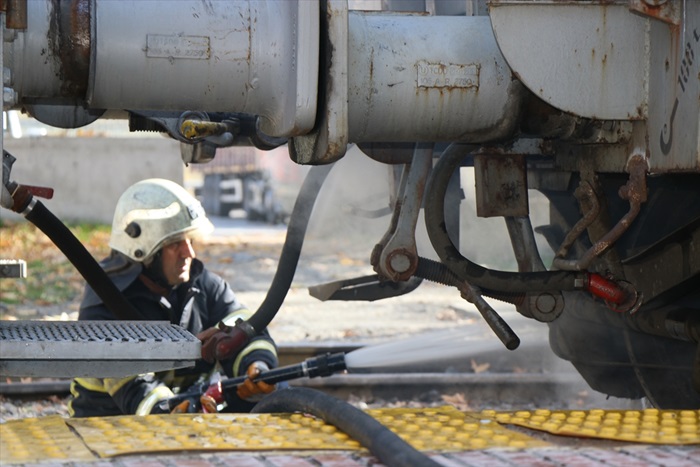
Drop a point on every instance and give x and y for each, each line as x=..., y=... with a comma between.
x=584, y=191
x=635, y=192
x=501, y=185
x=16, y=11
x=662, y=10
x=70, y=39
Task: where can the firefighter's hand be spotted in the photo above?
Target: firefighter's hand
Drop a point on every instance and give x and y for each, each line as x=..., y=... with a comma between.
x=222, y=342
x=188, y=405
x=249, y=389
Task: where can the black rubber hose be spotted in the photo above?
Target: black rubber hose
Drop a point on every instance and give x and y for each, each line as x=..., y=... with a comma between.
x=388, y=447
x=476, y=275
x=83, y=261
x=289, y=257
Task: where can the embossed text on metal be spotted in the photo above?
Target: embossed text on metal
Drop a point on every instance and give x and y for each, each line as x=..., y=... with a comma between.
x=163, y=46
x=447, y=75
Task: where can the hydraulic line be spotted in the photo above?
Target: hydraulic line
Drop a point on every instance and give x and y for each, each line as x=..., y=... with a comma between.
x=228, y=340
x=21, y=199
x=291, y=250
x=479, y=276
x=383, y=443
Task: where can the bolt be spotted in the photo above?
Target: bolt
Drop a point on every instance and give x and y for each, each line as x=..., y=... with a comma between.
x=400, y=262
x=546, y=303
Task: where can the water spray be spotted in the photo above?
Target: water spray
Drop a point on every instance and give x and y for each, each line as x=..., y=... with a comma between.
x=413, y=351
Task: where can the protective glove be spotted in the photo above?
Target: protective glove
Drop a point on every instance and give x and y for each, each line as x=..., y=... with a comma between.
x=249, y=389
x=222, y=342
x=178, y=404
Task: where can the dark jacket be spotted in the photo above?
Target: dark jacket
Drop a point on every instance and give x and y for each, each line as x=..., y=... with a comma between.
x=199, y=304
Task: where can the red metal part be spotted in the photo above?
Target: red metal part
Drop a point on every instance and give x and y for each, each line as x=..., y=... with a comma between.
x=40, y=191
x=607, y=290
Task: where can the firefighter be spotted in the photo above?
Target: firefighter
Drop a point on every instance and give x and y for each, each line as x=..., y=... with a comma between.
x=152, y=261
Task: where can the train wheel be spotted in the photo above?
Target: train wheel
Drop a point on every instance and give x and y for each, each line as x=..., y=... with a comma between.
x=601, y=344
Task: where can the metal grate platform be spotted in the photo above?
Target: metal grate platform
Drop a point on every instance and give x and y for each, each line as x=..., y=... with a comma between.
x=93, y=348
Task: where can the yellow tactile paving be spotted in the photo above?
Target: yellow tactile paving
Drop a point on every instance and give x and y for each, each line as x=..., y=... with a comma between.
x=439, y=429
x=446, y=428
x=34, y=440
x=435, y=429
x=190, y=432
x=650, y=426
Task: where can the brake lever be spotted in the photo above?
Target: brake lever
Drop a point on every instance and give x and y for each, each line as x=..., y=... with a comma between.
x=365, y=288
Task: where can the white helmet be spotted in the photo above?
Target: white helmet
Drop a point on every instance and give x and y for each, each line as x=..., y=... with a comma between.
x=152, y=213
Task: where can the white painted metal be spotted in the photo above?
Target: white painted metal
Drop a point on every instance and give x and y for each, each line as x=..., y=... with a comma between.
x=587, y=58
x=674, y=93
x=256, y=57
x=423, y=78
x=329, y=139
x=27, y=55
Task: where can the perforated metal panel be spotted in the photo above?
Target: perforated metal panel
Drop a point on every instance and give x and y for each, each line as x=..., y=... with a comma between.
x=93, y=348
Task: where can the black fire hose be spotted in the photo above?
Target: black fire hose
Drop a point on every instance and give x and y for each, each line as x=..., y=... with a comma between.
x=388, y=447
x=36, y=213
x=291, y=250
x=474, y=274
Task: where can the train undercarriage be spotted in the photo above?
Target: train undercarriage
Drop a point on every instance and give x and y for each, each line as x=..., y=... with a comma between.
x=594, y=104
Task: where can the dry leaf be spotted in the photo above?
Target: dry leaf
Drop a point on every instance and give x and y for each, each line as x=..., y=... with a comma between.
x=457, y=400
x=479, y=367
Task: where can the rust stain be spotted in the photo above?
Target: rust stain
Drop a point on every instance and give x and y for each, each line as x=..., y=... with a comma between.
x=69, y=38
x=16, y=13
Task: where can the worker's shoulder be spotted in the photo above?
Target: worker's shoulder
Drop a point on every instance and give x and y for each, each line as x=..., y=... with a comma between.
x=121, y=271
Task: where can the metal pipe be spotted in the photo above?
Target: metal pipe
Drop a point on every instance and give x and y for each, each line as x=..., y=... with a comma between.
x=634, y=191
x=584, y=190
x=36, y=213
x=479, y=276
x=524, y=245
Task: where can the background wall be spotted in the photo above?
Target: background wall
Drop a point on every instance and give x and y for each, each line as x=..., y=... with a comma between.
x=89, y=174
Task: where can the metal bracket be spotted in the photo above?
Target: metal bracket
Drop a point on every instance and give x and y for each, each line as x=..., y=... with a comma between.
x=668, y=11
x=396, y=255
